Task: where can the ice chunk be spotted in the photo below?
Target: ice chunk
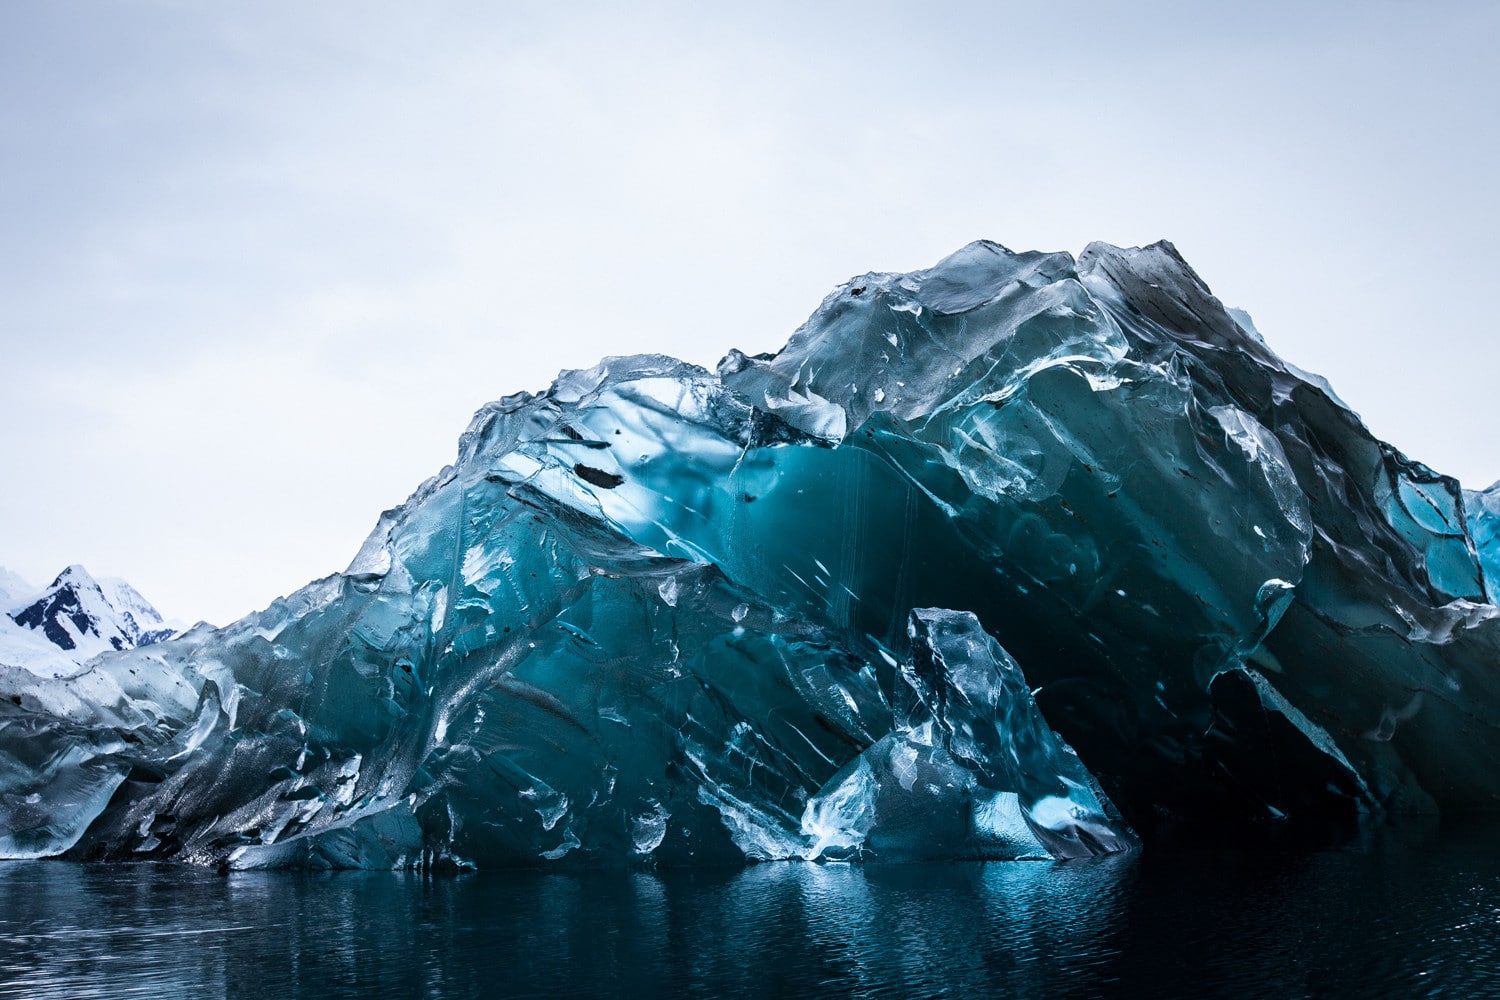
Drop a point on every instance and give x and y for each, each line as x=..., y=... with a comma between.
x=972, y=769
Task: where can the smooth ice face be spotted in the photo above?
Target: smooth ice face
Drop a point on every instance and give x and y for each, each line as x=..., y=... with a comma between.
x=658, y=613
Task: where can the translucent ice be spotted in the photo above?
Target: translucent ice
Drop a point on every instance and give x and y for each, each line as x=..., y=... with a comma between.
x=970, y=770
x=662, y=613
x=1484, y=528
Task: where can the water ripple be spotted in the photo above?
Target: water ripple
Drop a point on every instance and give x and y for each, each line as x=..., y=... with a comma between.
x=1396, y=915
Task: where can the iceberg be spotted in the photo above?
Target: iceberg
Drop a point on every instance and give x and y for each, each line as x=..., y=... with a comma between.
x=1021, y=555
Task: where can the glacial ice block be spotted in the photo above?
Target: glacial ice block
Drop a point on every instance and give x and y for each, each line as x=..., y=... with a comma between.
x=971, y=769
x=653, y=612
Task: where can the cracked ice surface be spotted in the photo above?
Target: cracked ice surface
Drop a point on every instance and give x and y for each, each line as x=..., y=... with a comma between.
x=658, y=613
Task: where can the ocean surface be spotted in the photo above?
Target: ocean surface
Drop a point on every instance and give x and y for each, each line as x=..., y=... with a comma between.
x=1409, y=913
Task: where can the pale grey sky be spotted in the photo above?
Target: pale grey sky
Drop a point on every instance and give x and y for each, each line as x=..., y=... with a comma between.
x=259, y=263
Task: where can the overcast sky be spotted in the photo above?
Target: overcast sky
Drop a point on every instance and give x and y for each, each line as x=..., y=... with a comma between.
x=259, y=263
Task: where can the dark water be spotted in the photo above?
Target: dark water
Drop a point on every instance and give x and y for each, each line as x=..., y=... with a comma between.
x=1414, y=914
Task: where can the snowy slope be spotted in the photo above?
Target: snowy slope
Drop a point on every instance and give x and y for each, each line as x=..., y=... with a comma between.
x=14, y=591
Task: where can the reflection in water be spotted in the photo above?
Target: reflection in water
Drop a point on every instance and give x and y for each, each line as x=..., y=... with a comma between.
x=1387, y=916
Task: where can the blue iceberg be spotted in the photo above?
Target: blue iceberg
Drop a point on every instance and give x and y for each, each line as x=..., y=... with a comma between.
x=1011, y=557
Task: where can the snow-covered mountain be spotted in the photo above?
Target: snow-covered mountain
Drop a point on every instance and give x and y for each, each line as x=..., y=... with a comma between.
x=73, y=619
